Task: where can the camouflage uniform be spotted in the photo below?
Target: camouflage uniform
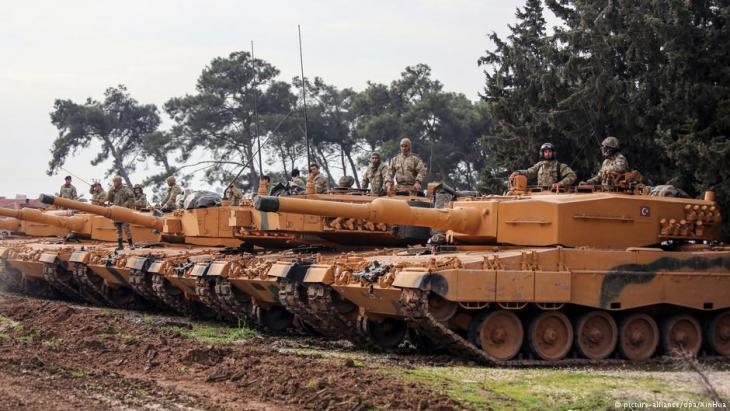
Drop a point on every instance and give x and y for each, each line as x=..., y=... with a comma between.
x=140, y=202
x=235, y=195
x=616, y=163
x=298, y=182
x=68, y=191
x=548, y=171
x=377, y=177
x=97, y=197
x=320, y=184
x=122, y=196
x=169, y=202
x=406, y=170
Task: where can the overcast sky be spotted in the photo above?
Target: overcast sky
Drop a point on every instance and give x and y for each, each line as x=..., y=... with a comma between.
x=76, y=49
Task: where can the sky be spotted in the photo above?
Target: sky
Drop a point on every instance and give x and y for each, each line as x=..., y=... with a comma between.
x=75, y=49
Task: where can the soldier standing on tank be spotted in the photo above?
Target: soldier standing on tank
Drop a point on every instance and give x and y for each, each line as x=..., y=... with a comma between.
x=406, y=170
x=234, y=194
x=169, y=202
x=140, y=198
x=549, y=171
x=321, y=185
x=98, y=195
x=68, y=190
x=296, y=180
x=375, y=176
x=614, y=162
x=120, y=195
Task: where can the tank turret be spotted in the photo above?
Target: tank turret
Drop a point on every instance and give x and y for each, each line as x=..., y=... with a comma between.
x=599, y=219
x=10, y=224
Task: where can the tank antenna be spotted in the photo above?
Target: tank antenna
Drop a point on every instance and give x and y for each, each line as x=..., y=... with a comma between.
x=75, y=176
x=304, y=97
x=255, y=109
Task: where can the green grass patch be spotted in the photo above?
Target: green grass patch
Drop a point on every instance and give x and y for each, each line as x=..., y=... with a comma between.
x=552, y=389
x=52, y=342
x=213, y=334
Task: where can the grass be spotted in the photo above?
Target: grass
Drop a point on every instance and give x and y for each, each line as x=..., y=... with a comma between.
x=553, y=389
x=214, y=334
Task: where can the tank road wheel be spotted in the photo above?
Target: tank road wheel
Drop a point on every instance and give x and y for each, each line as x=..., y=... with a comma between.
x=275, y=319
x=718, y=333
x=551, y=335
x=596, y=334
x=501, y=334
x=638, y=337
x=440, y=308
x=681, y=332
x=387, y=334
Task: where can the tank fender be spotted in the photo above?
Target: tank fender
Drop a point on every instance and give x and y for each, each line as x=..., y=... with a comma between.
x=320, y=273
x=3, y=252
x=80, y=256
x=200, y=269
x=289, y=271
x=48, y=258
x=138, y=263
x=422, y=280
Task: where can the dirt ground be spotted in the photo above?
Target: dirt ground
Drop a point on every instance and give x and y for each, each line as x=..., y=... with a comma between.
x=55, y=355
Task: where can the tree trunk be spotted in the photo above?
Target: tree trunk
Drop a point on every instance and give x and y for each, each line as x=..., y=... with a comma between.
x=118, y=161
x=354, y=169
x=342, y=161
x=325, y=165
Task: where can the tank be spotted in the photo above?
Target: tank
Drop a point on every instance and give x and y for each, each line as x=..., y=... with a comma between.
x=545, y=277
x=54, y=259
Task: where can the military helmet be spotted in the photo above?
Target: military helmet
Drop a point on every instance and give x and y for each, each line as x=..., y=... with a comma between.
x=346, y=181
x=547, y=146
x=610, y=142
x=407, y=141
x=170, y=180
x=136, y=186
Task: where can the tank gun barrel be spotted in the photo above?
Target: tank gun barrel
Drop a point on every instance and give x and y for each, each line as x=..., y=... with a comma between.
x=37, y=216
x=115, y=213
x=10, y=224
x=465, y=220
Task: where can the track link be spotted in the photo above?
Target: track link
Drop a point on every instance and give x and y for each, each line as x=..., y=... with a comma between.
x=175, y=300
x=141, y=283
x=293, y=297
x=322, y=307
x=12, y=278
x=204, y=289
x=240, y=309
x=88, y=281
x=60, y=279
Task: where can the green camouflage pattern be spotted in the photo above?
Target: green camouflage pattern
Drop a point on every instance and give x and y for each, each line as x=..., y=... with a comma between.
x=375, y=178
x=546, y=172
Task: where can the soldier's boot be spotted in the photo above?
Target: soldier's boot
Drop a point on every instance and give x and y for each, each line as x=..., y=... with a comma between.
x=131, y=243
x=120, y=244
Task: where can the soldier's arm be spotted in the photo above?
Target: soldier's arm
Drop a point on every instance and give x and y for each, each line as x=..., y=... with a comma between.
x=621, y=165
x=531, y=173
x=568, y=176
x=74, y=194
x=391, y=170
x=420, y=170
x=596, y=179
x=365, y=180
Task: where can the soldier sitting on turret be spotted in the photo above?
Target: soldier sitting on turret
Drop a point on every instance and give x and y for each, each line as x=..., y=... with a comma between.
x=548, y=171
x=233, y=193
x=140, y=199
x=98, y=195
x=614, y=162
x=297, y=181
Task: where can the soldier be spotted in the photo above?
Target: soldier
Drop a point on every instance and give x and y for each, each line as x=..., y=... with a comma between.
x=233, y=193
x=297, y=181
x=614, y=162
x=406, y=170
x=140, y=199
x=321, y=185
x=346, y=182
x=169, y=202
x=120, y=195
x=98, y=195
x=68, y=190
x=549, y=172
x=376, y=176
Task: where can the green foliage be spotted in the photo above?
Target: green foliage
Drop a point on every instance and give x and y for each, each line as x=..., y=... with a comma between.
x=652, y=73
x=119, y=123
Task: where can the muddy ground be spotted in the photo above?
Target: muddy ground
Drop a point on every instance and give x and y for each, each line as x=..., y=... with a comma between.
x=54, y=355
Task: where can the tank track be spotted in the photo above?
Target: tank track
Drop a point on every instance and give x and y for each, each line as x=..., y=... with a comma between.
x=11, y=278
x=293, y=296
x=239, y=309
x=39, y=288
x=83, y=277
x=204, y=289
x=142, y=285
x=63, y=284
x=176, y=302
x=322, y=308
